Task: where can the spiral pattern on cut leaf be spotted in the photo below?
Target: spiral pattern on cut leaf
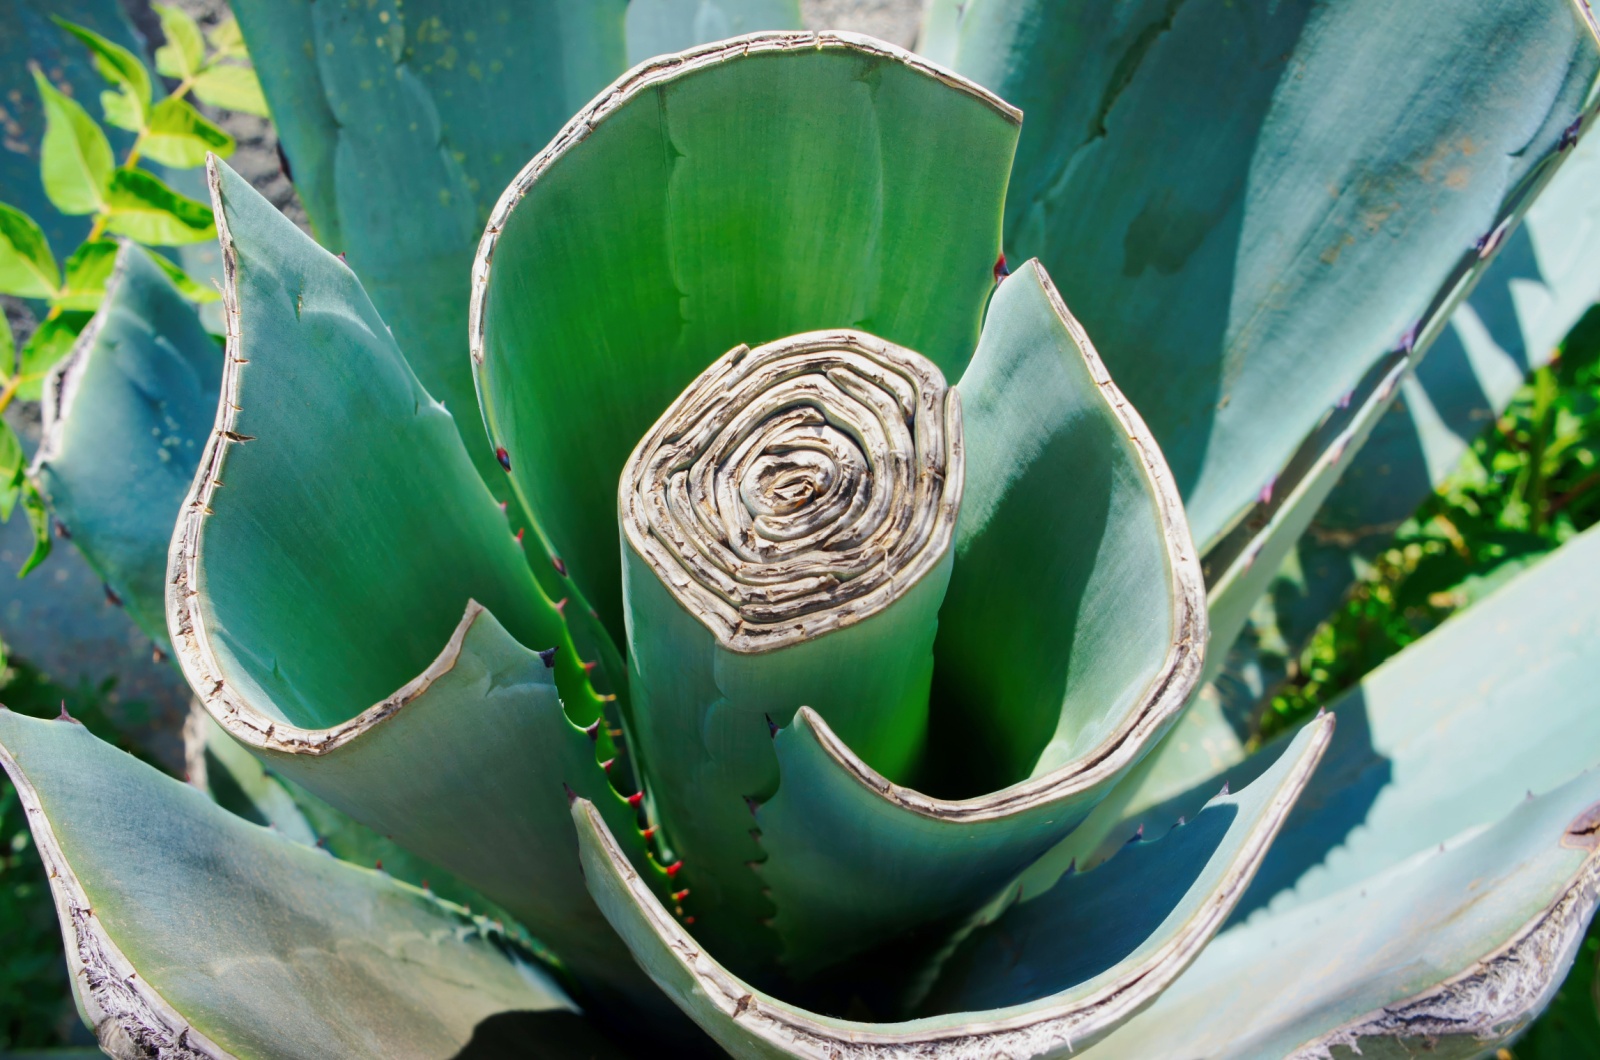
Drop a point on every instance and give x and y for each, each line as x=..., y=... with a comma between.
x=798, y=487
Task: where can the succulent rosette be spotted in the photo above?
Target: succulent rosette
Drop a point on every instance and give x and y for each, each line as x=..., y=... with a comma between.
x=810, y=637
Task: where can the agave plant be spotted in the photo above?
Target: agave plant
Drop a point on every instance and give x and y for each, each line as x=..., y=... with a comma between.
x=810, y=639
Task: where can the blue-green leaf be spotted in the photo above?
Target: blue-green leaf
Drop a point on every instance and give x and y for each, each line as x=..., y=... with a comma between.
x=1237, y=195
x=1139, y=948
x=1447, y=954
x=1070, y=638
x=615, y=270
x=198, y=934
x=125, y=417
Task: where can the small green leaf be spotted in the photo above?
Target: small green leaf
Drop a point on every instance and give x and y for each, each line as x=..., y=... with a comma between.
x=27, y=268
x=51, y=341
x=180, y=136
x=186, y=285
x=39, y=521
x=231, y=88
x=75, y=158
x=13, y=463
x=227, y=40
x=115, y=63
x=87, y=272
x=185, y=51
x=144, y=209
x=120, y=109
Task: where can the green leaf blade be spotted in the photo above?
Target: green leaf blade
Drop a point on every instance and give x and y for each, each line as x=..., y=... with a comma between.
x=27, y=268
x=181, y=137
x=144, y=209
x=75, y=158
x=184, y=53
x=157, y=917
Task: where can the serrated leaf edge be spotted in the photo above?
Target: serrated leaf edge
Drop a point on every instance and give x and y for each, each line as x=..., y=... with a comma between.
x=130, y=1018
x=1041, y=1032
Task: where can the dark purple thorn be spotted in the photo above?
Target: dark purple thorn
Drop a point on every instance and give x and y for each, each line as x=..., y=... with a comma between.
x=572, y=796
x=548, y=657
x=1408, y=341
x=561, y=568
x=62, y=531
x=772, y=726
x=283, y=163
x=112, y=598
x=593, y=730
x=1001, y=271
x=64, y=716
x=504, y=457
x=1569, y=135
x=750, y=804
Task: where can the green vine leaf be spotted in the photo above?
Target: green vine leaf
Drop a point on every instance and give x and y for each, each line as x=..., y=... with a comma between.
x=27, y=268
x=75, y=159
x=226, y=40
x=184, y=52
x=147, y=211
x=39, y=521
x=50, y=341
x=13, y=466
x=180, y=136
x=119, y=66
x=87, y=271
x=231, y=88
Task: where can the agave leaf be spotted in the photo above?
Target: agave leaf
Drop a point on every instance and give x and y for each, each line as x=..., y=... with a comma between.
x=126, y=414
x=1059, y=706
x=1197, y=888
x=868, y=187
x=1450, y=734
x=31, y=34
x=197, y=934
x=276, y=538
x=1446, y=954
x=1541, y=281
x=657, y=27
x=1328, y=172
x=390, y=110
x=400, y=110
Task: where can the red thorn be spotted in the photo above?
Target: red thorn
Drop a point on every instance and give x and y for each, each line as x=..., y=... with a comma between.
x=379, y=865
x=649, y=833
x=588, y=667
x=425, y=886
x=157, y=655
x=593, y=729
x=635, y=799
x=672, y=869
x=504, y=457
x=688, y=920
x=64, y=716
x=561, y=607
x=561, y=568
x=1000, y=269
x=504, y=506
x=607, y=764
x=678, y=896
x=519, y=534
x=340, y=256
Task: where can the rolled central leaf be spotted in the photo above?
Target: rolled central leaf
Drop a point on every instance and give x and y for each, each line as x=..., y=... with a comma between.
x=787, y=527
x=798, y=488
